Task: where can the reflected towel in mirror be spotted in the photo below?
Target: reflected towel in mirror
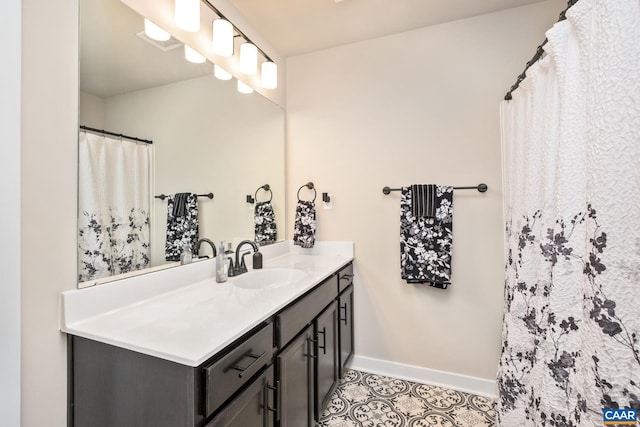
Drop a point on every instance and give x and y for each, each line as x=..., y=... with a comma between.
x=265, y=224
x=182, y=224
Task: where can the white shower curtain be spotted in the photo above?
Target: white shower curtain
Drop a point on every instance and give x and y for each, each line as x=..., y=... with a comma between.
x=571, y=162
x=113, y=211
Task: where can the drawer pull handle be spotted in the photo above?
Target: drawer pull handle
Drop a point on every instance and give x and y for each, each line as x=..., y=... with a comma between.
x=346, y=276
x=243, y=370
x=344, y=307
x=324, y=340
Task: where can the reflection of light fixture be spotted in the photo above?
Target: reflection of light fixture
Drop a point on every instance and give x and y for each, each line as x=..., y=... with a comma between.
x=193, y=56
x=222, y=37
x=248, y=58
x=243, y=88
x=221, y=73
x=269, y=75
x=187, y=15
x=154, y=32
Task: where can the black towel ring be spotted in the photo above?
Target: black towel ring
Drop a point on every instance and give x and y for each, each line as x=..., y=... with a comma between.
x=310, y=186
x=266, y=188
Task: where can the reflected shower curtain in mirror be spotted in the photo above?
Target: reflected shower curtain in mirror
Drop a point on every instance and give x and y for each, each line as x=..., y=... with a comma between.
x=113, y=206
x=571, y=164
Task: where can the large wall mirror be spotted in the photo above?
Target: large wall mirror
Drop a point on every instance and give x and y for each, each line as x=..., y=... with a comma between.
x=207, y=137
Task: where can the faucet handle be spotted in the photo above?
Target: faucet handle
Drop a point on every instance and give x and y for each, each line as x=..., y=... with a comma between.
x=257, y=260
x=242, y=268
x=232, y=270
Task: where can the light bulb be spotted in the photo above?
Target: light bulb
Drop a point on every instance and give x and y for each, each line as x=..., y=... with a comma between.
x=193, y=56
x=248, y=58
x=187, y=15
x=154, y=32
x=221, y=73
x=244, y=88
x=222, y=37
x=269, y=75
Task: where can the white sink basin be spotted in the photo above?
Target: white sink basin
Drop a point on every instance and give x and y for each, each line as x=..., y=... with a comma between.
x=268, y=278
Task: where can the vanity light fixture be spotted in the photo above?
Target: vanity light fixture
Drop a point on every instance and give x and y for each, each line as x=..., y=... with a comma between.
x=187, y=15
x=269, y=75
x=193, y=56
x=221, y=73
x=222, y=37
x=248, y=58
x=154, y=32
x=244, y=88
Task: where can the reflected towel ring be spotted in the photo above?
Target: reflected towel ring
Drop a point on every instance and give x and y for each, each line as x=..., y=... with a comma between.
x=266, y=188
x=310, y=186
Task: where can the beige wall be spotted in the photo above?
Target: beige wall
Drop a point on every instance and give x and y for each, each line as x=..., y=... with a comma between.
x=416, y=107
x=91, y=111
x=48, y=208
x=10, y=27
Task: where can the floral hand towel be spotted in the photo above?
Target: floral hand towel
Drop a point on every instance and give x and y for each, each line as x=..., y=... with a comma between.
x=425, y=243
x=304, y=232
x=265, y=224
x=182, y=224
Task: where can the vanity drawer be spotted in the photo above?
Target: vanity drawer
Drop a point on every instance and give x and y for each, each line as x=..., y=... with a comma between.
x=227, y=375
x=293, y=319
x=345, y=278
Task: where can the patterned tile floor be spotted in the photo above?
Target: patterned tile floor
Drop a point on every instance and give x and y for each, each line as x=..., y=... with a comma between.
x=369, y=400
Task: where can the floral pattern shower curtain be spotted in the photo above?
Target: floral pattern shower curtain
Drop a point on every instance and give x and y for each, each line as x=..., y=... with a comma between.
x=113, y=206
x=571, y=147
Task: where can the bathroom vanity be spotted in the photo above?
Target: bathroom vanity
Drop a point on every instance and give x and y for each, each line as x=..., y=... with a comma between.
x=178, y=349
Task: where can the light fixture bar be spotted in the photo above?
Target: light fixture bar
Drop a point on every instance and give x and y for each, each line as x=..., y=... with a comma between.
x=217, y=12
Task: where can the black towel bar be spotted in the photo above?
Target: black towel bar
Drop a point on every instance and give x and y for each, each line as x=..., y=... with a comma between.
x=164, y=196
x=480, y=187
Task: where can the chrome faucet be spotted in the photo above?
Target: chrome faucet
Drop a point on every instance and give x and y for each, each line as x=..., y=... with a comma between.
x=240, y=266
x=213, y=247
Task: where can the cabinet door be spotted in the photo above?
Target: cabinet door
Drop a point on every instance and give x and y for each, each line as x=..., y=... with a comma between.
x=254, y=407
x=326, y=346
x=295, y=376
x=345, y=311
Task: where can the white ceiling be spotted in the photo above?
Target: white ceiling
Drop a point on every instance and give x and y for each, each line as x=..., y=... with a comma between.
x=295, y=27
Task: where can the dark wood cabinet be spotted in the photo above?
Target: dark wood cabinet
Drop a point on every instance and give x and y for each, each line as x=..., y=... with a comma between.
x=296, y=381
x=280, y=376
x=254, y=407
x=326, y=350
x=345, y=329
x=227, y=374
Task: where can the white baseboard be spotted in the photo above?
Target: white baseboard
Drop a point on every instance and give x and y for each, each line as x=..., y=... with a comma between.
x=464, y=383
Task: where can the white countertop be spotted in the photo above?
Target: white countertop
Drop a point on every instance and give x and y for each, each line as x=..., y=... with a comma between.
x=182, y=314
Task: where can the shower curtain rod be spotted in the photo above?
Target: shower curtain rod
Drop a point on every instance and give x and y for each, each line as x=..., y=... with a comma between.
x=480, y=187
x=538, y=54
x=119, y=135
